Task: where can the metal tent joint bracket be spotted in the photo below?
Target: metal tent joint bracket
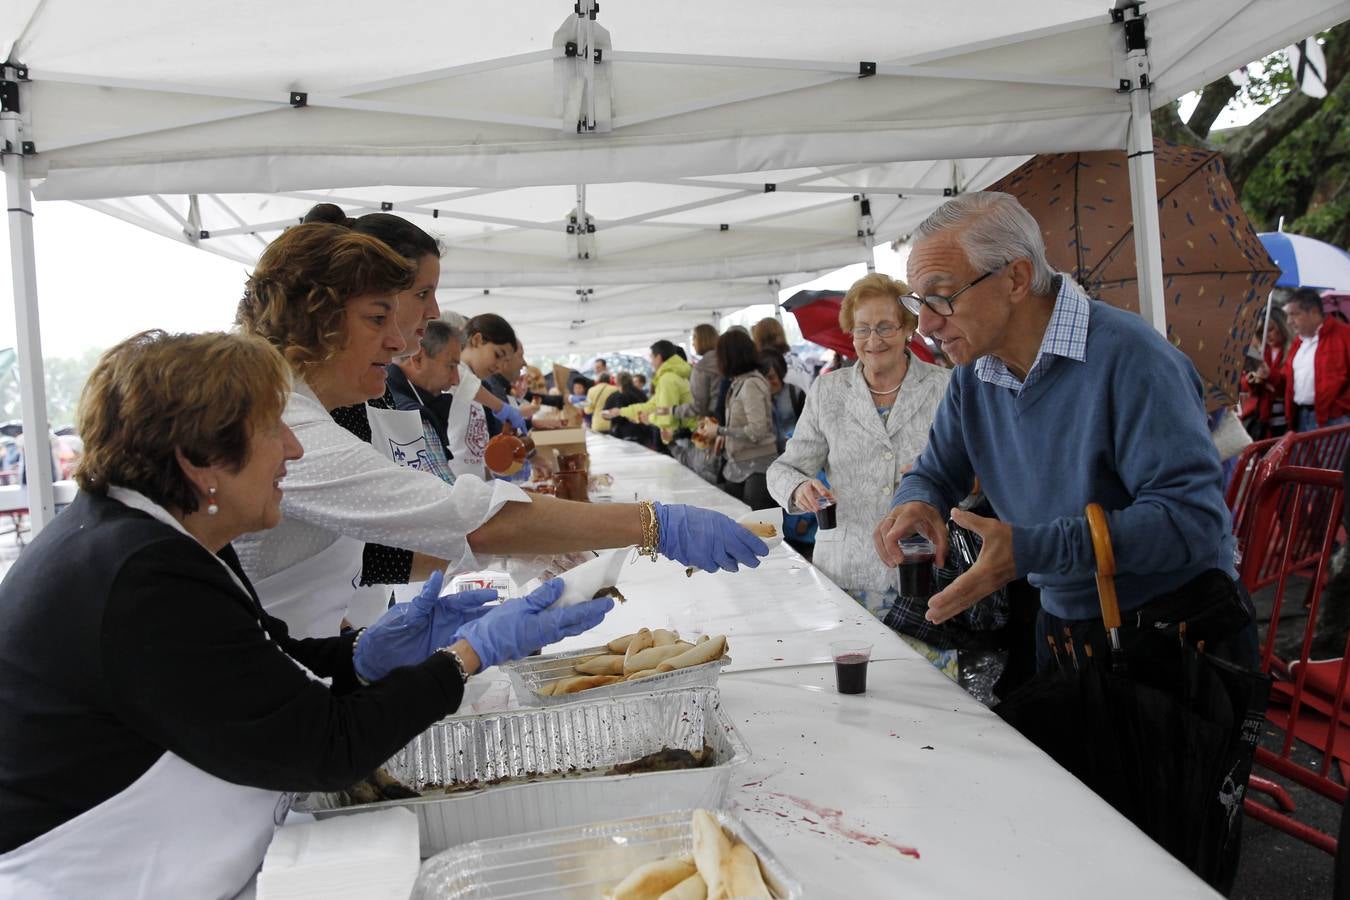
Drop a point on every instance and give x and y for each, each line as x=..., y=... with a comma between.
x=386, y=206
x=9, y=96
x=770, y=187
x=867, y=69
x=299, y=99
x=205, y=235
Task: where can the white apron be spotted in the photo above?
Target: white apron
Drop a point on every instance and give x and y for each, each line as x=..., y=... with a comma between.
x=174, y=832
x=314, y=595
x=466, y=427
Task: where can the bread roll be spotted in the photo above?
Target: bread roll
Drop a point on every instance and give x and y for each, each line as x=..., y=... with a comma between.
x=641, y=641
x=620, y=644
x=547, y=689
x=711, y=848
x=583, y=682
x=663, y=638
x=741, y=875
x=704, y=652
x=608, y=664
x=647, y=659
x=651, y=880
x=692, y=888
x=642, y=674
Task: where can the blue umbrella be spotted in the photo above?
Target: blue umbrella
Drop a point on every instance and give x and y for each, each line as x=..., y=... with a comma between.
x=1307, y=262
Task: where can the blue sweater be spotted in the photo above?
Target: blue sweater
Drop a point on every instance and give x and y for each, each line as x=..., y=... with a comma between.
x=1125, y=428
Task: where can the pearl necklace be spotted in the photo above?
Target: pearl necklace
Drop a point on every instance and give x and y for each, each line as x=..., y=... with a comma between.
x=897, y=387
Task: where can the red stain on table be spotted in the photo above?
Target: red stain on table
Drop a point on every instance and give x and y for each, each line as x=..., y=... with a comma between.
x=833, y=819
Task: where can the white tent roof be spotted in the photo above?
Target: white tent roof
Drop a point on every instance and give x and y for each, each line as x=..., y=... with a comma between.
x=222, y=123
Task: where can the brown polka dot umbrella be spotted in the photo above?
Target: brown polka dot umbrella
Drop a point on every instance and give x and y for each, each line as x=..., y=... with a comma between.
x=1216, y=273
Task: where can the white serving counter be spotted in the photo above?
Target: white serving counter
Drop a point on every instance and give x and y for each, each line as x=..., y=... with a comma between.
x=913, y=789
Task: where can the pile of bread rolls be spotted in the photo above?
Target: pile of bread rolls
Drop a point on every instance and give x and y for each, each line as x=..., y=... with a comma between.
x=721, y=868
x=637, y=656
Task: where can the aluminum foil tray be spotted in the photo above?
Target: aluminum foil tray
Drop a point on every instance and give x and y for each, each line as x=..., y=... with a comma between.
x=578, y=862
x=556, y=746
x=530, y=674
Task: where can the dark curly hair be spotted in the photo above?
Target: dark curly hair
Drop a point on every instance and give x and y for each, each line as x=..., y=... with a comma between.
x=297, y=296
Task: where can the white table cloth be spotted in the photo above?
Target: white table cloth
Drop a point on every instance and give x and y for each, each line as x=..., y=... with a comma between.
x=913, y=789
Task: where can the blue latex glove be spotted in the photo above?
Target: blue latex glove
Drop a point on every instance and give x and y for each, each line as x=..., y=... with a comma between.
x=519, y=627
x=509, y=415
x=410, y=632
x=705, y=539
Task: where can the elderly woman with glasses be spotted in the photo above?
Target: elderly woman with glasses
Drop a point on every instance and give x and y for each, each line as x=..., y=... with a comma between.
x=864, y=426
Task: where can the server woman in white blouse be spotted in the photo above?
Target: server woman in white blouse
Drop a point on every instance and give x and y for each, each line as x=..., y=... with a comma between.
x=152, y=714
x=325, y=296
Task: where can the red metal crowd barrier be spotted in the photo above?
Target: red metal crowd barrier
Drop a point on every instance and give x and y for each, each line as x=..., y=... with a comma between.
x=1325, y=448
x=1294, y=515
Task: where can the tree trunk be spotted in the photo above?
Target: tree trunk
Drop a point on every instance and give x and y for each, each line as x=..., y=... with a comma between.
x=1213, y=99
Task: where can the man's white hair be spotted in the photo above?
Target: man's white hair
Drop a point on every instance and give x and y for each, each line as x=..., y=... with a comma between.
x=993, y=229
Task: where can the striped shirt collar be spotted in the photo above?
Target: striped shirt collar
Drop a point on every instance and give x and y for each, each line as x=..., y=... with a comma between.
x=1065, y=335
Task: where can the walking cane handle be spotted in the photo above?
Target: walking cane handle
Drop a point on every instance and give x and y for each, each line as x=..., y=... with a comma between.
x=1106, y=564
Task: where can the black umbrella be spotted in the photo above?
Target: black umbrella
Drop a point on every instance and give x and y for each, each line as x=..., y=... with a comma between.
x=1169, y=746
x=12, y=429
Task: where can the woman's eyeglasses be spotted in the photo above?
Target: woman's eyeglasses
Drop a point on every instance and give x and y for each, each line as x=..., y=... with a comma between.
x=885, y=331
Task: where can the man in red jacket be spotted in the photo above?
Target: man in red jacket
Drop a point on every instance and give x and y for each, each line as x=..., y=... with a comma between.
x=1316, y=376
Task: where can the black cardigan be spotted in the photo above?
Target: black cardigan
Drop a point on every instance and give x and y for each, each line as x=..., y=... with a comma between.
x=121, y=638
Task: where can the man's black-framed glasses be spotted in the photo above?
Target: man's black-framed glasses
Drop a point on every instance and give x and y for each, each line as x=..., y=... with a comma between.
x=938, y=303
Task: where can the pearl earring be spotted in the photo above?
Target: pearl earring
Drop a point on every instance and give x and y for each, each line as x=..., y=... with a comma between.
x=211, y=506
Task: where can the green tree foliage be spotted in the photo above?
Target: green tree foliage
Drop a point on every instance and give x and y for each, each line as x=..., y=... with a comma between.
x=1292, y=161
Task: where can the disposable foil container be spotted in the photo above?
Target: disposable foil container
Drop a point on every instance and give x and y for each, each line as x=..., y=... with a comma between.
x=578, y=862
x=532, y=673
x=559, y=747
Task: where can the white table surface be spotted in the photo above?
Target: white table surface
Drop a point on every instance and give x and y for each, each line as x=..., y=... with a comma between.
x=15, y=496
x=843, y=788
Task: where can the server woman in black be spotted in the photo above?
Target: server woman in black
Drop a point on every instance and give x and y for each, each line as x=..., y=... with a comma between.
x=152, y=713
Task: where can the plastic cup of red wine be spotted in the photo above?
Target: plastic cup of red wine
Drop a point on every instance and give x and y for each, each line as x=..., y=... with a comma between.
x=850, y=665
x=914, y=577
x=825, y=514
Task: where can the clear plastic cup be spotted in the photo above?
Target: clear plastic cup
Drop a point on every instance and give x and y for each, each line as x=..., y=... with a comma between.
x=914, y=576
x=825, y=517
x=850, y=665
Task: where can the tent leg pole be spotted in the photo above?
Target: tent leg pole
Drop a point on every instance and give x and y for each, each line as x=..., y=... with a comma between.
x=37, y=451
x=1144, y=191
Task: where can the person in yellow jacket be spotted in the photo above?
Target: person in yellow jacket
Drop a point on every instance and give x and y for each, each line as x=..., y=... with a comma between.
x=670, y=388
x=595, y=404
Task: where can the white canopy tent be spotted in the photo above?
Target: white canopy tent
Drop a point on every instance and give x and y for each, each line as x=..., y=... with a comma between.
x=668, y=253
x=649, y=122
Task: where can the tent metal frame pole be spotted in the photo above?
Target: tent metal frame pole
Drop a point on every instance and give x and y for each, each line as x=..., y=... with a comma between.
x=1143, y=177
x=850, y=68
x=787, y=188
x=37, y=450
x=107, y=209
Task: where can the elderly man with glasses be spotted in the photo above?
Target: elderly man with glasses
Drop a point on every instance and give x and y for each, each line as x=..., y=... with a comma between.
x=1057, y=402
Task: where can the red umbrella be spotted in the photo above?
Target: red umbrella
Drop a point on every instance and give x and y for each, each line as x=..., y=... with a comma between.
x=817, y=315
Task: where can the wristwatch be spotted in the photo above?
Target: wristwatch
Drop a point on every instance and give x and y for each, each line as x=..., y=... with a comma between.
x=459, y=663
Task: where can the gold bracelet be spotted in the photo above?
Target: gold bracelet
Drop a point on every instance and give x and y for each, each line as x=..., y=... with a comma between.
x=650, y=530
